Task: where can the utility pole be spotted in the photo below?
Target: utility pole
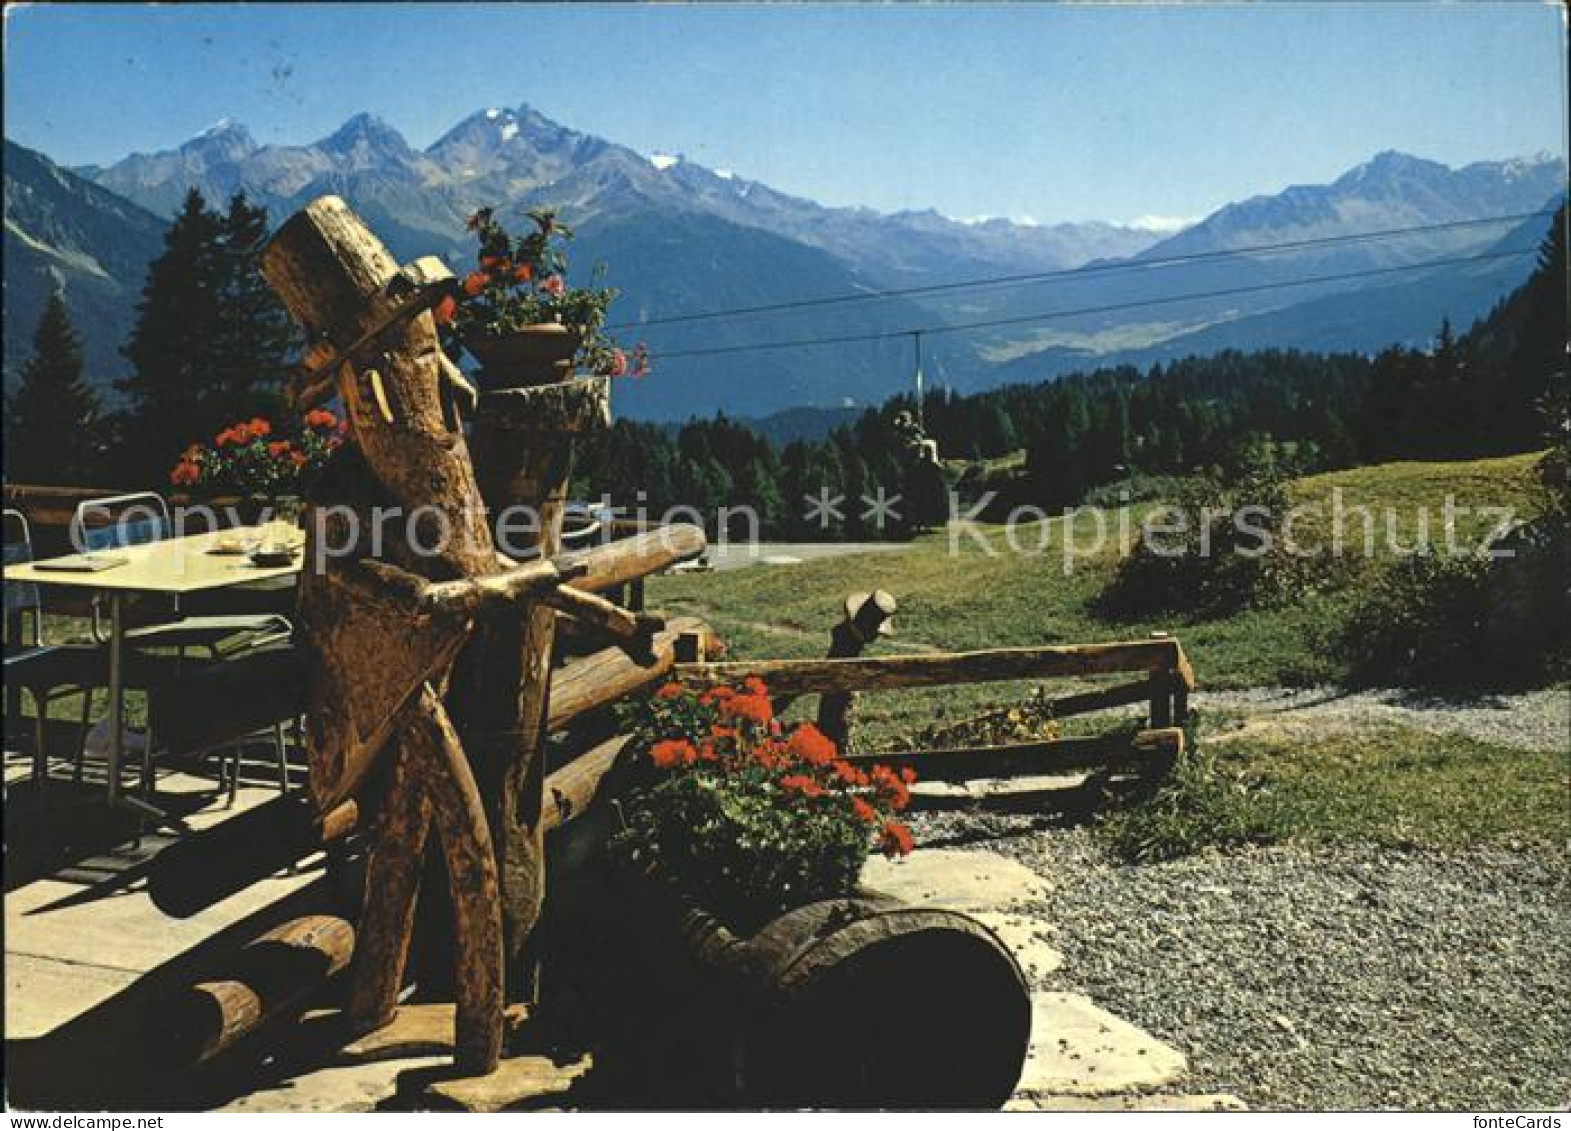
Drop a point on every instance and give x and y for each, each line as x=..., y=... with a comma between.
x=916, y=338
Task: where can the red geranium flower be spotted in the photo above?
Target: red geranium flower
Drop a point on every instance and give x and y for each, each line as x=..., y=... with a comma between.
x=474, y=282
x=864, y=812
x=443, y=311
x=811, y=745
x=895, y=840
x=553, y=286
x=669, y=690
x=754, y=708
x=801, y=783
x=673, y=752
x=848, y=773
x=890, y=787
x=523, y=273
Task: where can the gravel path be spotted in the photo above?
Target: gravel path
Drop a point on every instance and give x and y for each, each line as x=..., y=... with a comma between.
x=1536, y=720
x=1328, y=978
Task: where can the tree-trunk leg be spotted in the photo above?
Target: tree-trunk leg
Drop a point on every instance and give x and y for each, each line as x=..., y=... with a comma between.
x=461, y=828
x=392, y=887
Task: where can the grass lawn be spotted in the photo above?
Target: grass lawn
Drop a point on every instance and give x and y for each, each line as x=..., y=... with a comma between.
x=956, y=594
x=1389, y=785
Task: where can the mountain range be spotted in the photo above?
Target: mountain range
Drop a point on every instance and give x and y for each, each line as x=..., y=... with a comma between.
x=682, y=239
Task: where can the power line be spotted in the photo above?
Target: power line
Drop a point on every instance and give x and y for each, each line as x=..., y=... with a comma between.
x=955, y=327
x=1084, y=271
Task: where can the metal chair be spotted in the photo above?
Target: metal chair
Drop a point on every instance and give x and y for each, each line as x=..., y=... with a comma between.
x=141, y=518
x=218, y=709
x=47, y=672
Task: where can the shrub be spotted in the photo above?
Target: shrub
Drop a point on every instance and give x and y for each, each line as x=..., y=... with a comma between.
x=1214, y=549
x=1419, y=621
x=747, y=818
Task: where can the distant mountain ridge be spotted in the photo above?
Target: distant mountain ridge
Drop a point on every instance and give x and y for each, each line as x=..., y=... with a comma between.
x=62, y=231
x=682, y=239
x=519, y=155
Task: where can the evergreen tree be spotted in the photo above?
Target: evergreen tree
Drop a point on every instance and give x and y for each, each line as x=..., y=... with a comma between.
x=1536, y=369
x=210, y=342
x=171, y=347
x=256, y=337
x=52, y=419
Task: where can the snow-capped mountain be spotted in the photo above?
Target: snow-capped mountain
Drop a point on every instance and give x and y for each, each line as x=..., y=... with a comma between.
x=681, y=239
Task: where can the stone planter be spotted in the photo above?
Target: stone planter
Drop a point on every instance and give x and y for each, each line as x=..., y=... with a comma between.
x=534, y=355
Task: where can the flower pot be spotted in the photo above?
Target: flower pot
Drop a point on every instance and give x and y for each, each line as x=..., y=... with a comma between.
x=534, y=355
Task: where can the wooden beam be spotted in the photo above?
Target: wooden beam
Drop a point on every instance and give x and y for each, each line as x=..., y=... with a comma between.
x=572, y=788
x=1025, y=758
x=459, y=819
x=628, y=559
x=391, y=890
x=883, y=673
x=592, y=681
x=201, y=869
x=595, y=613
x=498, y=590
x=272, y=976
x=1084, y=702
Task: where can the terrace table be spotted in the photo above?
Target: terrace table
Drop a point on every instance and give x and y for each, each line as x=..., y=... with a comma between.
x=172, y=567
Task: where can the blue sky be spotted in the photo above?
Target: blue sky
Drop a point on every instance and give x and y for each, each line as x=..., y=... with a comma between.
x=1042, y=111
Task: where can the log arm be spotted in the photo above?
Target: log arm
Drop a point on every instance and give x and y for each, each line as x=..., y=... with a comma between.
x=604, y=618
x=467, y=597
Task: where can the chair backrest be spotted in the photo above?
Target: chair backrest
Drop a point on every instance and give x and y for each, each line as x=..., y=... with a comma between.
x=20, y=597
x=120, y=520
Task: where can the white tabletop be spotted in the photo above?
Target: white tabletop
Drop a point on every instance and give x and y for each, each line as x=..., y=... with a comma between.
x=174, y=565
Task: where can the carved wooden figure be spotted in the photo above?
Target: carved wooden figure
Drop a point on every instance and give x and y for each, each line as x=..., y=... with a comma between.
x=377, y=660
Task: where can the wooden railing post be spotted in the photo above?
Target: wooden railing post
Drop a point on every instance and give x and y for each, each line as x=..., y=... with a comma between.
x=867, y=616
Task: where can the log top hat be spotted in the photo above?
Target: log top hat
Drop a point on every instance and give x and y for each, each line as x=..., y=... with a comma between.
x=871, y=613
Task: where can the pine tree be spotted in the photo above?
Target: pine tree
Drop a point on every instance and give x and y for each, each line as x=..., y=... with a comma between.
x=1536, y=369
x=256, y=338
x=171, y=350
x=51, y=420
x=211, y=341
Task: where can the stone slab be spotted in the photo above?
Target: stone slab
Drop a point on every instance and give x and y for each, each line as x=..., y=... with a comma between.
x=1161, y=1101
x=1078, y=1048
x=962, y=879
x=361, y=1086
x=422, y=1029
x=518, y=1082
x=1025, y=937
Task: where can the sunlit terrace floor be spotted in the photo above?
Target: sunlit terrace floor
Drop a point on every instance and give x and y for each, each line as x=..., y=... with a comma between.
x=88, y=957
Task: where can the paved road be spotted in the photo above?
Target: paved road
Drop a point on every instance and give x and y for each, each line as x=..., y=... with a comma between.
x=739, y=555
